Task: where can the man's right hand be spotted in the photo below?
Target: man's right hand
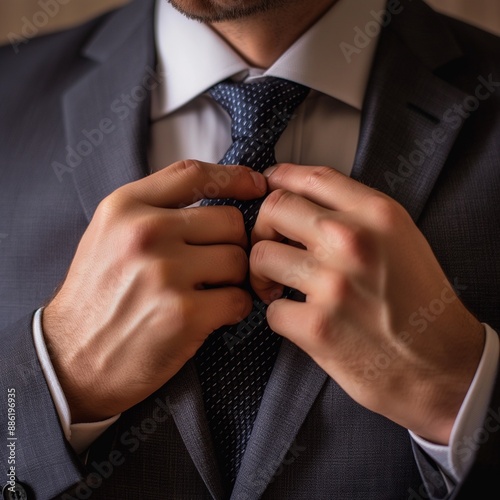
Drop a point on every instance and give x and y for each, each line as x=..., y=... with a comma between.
x=148, y=283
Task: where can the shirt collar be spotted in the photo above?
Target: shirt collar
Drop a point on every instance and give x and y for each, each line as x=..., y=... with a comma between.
x=192, y=57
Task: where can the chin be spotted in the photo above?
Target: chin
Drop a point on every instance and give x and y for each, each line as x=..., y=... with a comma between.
x=223, y=10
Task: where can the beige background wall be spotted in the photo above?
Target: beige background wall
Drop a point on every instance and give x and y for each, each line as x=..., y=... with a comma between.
x=483, y=13
x=14, y=13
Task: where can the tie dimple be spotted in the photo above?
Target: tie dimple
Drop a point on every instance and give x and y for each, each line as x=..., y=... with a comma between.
x=235, y=362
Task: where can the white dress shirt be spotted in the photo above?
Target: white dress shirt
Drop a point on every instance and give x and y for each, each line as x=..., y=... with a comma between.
x=187, y=123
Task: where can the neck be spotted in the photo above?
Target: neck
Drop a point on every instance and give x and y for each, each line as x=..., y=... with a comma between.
x=262, y=38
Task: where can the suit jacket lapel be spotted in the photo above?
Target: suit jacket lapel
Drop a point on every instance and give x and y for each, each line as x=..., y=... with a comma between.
x=409, y=122
x=188, y=411
x=106, y=108
x=292, y=389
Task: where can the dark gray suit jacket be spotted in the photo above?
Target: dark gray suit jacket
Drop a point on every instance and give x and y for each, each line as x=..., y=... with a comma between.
x=310, y=439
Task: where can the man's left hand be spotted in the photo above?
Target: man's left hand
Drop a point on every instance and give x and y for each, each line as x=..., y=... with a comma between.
x=380, y=316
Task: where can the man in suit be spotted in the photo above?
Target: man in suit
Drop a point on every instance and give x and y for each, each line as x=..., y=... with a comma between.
x=385, y=223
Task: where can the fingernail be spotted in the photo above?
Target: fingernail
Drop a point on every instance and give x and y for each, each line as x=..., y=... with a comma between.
x=260, y=181
x=268, y=172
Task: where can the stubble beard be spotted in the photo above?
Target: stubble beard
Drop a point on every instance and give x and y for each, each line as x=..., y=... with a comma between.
x=214, y=11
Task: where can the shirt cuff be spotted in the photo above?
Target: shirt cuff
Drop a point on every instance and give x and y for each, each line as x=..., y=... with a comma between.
x=80, y=436
x=467, y=433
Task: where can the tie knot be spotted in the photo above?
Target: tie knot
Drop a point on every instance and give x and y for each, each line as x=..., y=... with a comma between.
x=259, y=111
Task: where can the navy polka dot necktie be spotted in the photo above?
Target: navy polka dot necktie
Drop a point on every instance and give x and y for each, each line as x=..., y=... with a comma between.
x=235, y=362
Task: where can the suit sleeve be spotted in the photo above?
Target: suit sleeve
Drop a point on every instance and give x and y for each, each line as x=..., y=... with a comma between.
x=44, y=462
x=482, y=444
x=484, y=473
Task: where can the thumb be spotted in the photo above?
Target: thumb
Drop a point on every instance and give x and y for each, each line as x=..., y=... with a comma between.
x=188, y=181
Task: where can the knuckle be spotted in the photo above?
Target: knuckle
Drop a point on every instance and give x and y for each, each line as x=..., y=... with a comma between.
x=181, y=308
x=190, y=168
x=258, y=253
x=355, y=240
x=239, y=260
x=240, y=303
x=387, y=212
x=326, y=225
x=234, y=219
x=318, y=175
x=140, y=235
x=319, y=325
x=113, y=206
x=357, y=243
x=337, y=287
x=275, y=201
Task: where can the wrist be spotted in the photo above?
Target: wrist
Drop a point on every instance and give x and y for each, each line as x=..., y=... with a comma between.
x=69, y=373
x=445, y=395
